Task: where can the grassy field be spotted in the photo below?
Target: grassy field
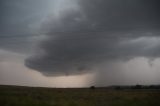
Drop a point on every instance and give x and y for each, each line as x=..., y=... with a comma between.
x=25, y=96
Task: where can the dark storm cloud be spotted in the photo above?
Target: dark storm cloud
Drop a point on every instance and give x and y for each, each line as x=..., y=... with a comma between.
x=99, y=31
x=122, y=14
x=18, y=22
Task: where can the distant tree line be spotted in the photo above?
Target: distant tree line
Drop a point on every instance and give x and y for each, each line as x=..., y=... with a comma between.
x=129, y=87
x=137, y=87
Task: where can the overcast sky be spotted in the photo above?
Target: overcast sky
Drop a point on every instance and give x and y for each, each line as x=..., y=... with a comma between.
x=77, y=43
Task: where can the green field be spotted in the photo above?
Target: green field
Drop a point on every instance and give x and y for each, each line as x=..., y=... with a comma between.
x=25, y=96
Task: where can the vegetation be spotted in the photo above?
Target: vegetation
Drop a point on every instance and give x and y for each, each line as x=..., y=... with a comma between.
x=28, y=96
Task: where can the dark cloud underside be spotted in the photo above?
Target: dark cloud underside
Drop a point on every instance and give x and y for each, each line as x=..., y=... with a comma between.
x=79, y=40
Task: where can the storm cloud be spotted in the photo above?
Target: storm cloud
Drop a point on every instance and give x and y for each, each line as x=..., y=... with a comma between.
x=19, y=22
x=87, y=33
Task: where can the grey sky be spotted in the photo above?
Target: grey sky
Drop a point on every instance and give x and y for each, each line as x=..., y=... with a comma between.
x=79, y=37
x=96, y=32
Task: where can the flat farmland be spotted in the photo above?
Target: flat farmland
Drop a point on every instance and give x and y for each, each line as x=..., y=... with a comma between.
x=32, y=96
